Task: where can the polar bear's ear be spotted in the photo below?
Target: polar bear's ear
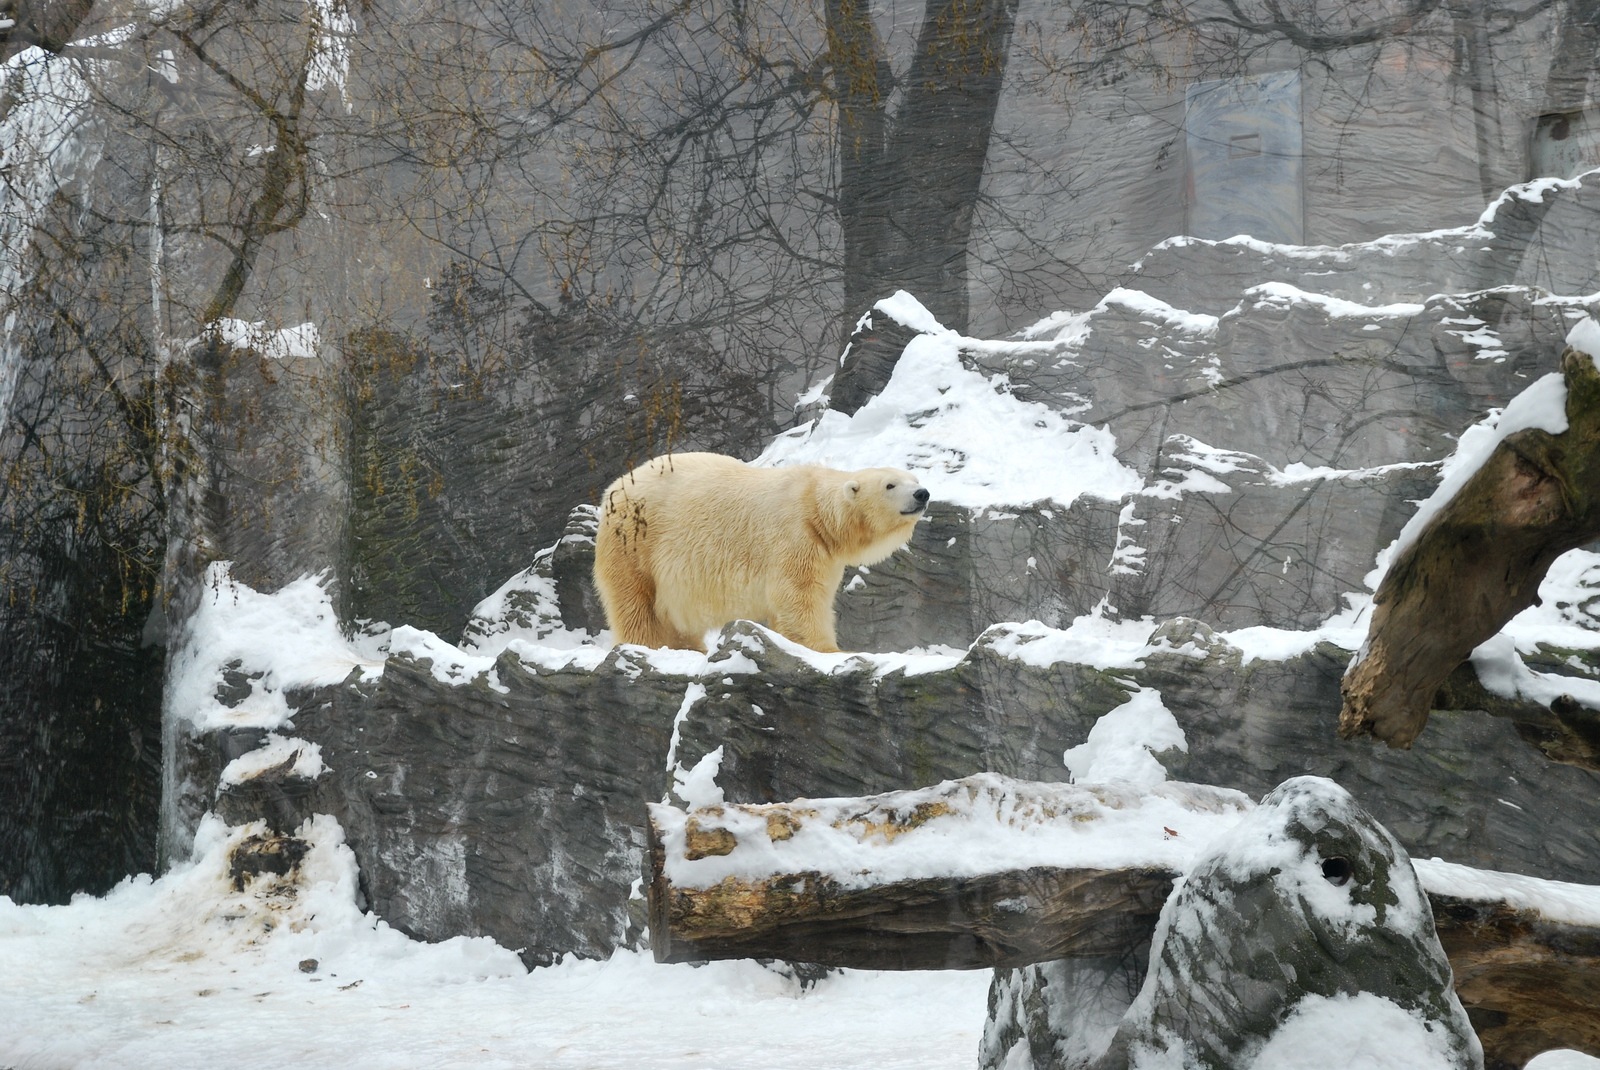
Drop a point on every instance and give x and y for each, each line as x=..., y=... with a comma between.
x=852, y=487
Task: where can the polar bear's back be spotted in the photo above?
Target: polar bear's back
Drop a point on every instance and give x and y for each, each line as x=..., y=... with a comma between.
x=722, y=501
x=690, y=541
x=705, y=527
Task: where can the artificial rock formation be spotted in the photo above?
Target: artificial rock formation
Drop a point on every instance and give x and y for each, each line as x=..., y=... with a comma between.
x=1278, y=434
x=510, y=800
x=1308, y=898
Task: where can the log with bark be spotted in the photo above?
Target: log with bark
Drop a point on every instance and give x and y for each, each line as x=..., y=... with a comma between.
x=1034, y=872
x=723, y=885
x=1477, y=563
x=1529, y=983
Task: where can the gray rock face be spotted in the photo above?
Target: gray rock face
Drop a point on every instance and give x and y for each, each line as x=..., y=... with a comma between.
x=1281, y=406
x=1277, y=437
x=279, y=508
x=506, y=803
x=1261, y=550
x=458, y=478
x=509, y=800
x=868, y=361
x=966, y=569
x=1307, y=899
x=1359, y=169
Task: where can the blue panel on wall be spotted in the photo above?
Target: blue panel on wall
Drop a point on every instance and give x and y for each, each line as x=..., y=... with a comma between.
x=1245, y=158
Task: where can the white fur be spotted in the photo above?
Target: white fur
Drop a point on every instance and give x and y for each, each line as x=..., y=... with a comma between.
x=690, y=541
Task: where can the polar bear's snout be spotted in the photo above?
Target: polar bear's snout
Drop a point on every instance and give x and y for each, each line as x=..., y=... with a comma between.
x=919, y=502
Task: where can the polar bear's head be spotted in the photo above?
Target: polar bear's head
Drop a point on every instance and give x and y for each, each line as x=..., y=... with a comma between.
x=898, y=491
x=884, y=505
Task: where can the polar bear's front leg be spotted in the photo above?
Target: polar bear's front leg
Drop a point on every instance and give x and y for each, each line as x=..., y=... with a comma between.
x=803, y=610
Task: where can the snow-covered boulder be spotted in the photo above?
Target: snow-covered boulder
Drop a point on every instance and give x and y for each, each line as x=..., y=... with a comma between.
x=1304, y=917
x=1307, y=904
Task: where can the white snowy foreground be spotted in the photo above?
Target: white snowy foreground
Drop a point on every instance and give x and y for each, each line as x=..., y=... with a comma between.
x=185, y=971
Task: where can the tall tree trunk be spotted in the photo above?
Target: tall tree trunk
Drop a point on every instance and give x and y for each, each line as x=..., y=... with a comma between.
x=909, y=182
x=941, y=137
x=862, y=83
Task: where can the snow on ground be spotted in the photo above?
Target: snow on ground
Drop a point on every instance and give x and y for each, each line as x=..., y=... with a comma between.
x=189, y=972
x=1390, y=1038
x=186, y=972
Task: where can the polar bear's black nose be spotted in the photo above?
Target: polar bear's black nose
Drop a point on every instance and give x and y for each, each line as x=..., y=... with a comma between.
x=921, y=495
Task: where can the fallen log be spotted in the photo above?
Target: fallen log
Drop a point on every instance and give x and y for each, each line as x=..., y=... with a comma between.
x=999, y=920
x=918, y=880
x=1479, y=560
x=988, y=872
x=1529, y=984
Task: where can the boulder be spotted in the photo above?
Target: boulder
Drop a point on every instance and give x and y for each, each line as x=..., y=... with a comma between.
x=1306, y=910
x=1308, y=901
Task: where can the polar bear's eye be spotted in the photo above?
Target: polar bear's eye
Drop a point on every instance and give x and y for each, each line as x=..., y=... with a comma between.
x=888, y=486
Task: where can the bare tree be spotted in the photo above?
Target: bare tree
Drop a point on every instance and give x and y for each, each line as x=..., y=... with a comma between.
x=189, y=134
x=910, y=177
x=769, y=170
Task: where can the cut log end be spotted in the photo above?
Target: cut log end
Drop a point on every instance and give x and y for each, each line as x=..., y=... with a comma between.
x=1375, y=707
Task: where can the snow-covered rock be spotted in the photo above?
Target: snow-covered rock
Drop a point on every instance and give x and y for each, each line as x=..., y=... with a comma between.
x=1306, y=902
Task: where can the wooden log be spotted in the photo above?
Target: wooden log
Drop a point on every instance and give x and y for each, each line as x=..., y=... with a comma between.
x=1477, y=563
x=1003, y=916
x=1530, y=981
x=988, y=921
x=1529, y=984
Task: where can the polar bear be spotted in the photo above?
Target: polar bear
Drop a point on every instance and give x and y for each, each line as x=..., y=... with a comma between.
x=691, y=541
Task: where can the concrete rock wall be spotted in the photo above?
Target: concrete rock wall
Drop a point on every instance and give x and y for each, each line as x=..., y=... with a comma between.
x=1283, y=408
